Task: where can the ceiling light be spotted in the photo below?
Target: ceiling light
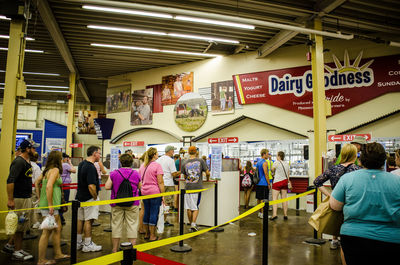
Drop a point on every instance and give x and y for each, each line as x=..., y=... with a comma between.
x=128, y=30
x=26, y=50
x=127, y=11
x=50, y=91
x=214, y=22
x=34, y=73
x=5, y=18
x=394, y=44
x=7, y=37
x=153, y=50
x=45, y=86
x=195, y=37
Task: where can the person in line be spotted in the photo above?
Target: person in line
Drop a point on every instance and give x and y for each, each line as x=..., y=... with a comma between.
x=124, y=218
x=397, y=160
x=176, y=182
x=248, y=169
x=359, y=142
x=152, y=183
x=264, y=185
x=36, y=172
x=281, y=184
x=67, y=169
x=391, y=163
x=193, y=169
x=19, y=192
x=370, y=201
x=333, y=174
x=107, y=162
x=169, y=169
x=88, y=188
x=141, y=212
x=50, y=195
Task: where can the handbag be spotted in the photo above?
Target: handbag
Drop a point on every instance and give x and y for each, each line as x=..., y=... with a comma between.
x=326, y=220
x=284, y=170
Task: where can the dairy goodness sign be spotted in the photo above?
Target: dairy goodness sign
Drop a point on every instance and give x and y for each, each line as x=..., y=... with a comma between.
x=347, y=84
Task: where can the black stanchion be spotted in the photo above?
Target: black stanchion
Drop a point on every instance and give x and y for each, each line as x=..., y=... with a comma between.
x=74, y=229
x=315, y=239
x=297, y=206
x=129, y=253
x=217, y=229
x=181, y=247
x=265, y=233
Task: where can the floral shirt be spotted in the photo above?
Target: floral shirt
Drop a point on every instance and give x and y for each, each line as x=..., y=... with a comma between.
x=333, y=174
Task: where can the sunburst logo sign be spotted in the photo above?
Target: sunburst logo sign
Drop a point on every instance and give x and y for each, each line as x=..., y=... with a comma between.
x=349, y=74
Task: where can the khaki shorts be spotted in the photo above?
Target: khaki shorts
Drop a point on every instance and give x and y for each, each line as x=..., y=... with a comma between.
x=22, y=203
x=124, y=218
x=88, y=213
x=169, y=200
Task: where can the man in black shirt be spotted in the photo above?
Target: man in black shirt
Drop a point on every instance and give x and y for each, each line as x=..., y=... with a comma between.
x=19, y=191
x=88, y=188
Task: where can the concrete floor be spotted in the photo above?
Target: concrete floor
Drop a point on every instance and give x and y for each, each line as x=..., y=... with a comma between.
x=233, y=246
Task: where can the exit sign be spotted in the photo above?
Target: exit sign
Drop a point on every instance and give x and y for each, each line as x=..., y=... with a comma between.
x=347, y=137
x=223, y=140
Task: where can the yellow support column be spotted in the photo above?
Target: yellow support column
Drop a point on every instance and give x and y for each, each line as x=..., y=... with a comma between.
x=318, y=81
x=14, y=68
x=71, y=112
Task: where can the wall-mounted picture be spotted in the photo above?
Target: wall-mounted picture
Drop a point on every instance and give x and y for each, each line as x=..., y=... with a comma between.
x=142, y=107
x=222, y=97
x=190, y=112
x=118, y=98
x=174, y=86
x=86, y=121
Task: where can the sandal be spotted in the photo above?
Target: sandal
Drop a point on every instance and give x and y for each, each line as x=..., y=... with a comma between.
x=47, y=262
x=157, y=238
x=64, y=257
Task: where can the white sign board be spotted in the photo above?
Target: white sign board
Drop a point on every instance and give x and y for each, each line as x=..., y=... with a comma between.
x=216, y=162
x=114, y=160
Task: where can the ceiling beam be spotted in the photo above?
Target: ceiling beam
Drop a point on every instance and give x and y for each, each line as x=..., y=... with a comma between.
x=55, y=32
x=284, y=36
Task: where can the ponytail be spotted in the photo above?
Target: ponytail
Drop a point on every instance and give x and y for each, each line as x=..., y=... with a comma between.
x=149, y=155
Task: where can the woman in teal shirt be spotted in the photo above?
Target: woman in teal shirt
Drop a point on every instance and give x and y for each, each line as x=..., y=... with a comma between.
x=370, y=200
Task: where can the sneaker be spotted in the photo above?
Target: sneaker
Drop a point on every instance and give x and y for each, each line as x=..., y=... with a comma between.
x=21, y=255
x=36, y=225
x=92, y=247
x=8, y=248
x=260, y=215
x=79, y=245
x=194, y=228
x=335, y=244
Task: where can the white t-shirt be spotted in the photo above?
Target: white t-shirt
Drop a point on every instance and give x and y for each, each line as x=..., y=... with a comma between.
x=279, y=172
x=36, y=172
x=396, y=172
x=168, y=166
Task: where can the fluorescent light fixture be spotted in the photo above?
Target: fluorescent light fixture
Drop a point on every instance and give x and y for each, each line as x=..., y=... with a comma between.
x=45, y=86
x=127, y=11
x=124, y=47
x=49, y=91
x=4, y=18
x=26, y=50
x=7, y=37
x=214, y=22
x=128, y=30
x=34, y=73
x=394, y=44
x=153, y=50
x=158, y=33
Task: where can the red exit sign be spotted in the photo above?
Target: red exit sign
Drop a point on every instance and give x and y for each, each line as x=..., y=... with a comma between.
x=347, y=137
x=76, y=145
x=223, y=140
x=133, y=143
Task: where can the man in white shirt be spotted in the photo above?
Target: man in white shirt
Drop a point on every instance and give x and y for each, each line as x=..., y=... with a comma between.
x=168, y=165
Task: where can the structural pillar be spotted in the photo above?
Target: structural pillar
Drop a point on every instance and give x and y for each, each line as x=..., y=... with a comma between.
x=14, y=69
x=319, y=100
x=71, y=112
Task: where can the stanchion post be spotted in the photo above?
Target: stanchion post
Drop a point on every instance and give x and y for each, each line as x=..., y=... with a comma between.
x=297, y=206
x=129, y=253
x=315, y=239
x=181, y=247
x=265, y=233
x=74, y=229
x=217, y=229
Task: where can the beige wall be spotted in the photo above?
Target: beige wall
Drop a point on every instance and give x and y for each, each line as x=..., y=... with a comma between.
x=387, y=127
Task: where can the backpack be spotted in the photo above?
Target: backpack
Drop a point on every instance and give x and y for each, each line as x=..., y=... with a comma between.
x=247, y=180
x=125, y=191
x=256, y=176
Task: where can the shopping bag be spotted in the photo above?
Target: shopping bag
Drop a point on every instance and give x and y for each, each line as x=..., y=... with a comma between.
x=325, y=220
x=160, y=222
x=11, y=223
x=49, y=223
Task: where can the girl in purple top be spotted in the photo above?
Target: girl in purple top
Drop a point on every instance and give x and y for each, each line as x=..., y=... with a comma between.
x=124, y=218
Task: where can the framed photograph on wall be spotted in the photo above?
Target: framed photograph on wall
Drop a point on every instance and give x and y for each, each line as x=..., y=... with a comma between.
x=222, y=97
x=142, y=107
x=175, y=86
x=118, y=98
x=86, y=121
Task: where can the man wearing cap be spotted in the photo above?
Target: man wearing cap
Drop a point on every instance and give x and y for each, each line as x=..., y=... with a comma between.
x=168, y=166
x=19, y=191
x=358, y=142
x=193, y=169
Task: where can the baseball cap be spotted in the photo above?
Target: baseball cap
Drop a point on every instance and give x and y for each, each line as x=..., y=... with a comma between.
x=192, y=150
x=359, y=140
x=169, y=148
x=28, y=143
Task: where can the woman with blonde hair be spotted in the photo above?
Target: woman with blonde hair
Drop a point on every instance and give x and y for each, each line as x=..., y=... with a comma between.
x=397, y=160
x=348, y=157
x=51, y=194
x=151, y=174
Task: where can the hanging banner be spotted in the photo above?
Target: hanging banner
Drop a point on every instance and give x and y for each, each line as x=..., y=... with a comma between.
x=216, y=162
x=104, y=128
x=347, y=84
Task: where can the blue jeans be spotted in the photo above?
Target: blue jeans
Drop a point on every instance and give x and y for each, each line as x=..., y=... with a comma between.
x=151, y=211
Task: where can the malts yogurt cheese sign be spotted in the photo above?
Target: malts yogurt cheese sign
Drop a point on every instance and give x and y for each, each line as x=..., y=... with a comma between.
x=347, y=84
